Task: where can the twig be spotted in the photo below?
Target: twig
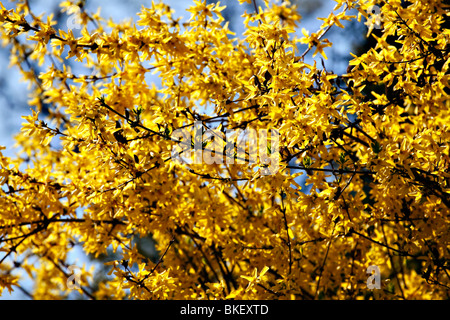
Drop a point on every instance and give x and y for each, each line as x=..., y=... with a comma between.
x=161, y=259
x=321, y=36
x=334, y=171
x=403, y=253
x=324, y=261
x=283, y=210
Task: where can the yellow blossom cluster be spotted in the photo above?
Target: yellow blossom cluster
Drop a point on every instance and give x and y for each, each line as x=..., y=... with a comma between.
x=96, y=170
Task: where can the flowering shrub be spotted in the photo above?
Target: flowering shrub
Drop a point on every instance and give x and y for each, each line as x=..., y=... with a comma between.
x=96, y=169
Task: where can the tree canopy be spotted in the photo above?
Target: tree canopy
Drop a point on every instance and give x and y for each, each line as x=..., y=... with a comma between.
x=97, y=169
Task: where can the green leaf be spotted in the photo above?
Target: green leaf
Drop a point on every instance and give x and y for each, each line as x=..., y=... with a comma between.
x=342, y=158
x=307, y=161
x=376, y=147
